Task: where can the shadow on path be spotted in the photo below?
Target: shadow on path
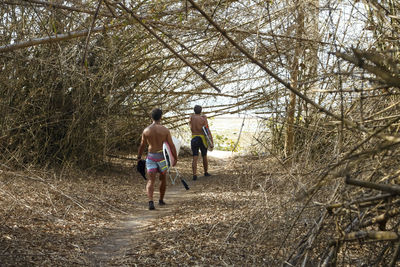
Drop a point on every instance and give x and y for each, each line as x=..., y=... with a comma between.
x=131, y=230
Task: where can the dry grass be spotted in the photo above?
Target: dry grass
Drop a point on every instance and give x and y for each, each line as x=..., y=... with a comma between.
x=52, y=219
x=237, y=216
x=248, y=213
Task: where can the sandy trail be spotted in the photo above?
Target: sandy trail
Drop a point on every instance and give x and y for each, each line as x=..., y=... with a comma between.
x=132, y=229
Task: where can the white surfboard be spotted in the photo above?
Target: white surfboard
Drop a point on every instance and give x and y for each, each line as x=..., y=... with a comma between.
x=170, y=159
x=168, y=154
x=177, y=144
x=210, y=144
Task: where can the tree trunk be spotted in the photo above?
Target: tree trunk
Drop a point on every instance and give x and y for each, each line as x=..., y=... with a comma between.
x=294, y=73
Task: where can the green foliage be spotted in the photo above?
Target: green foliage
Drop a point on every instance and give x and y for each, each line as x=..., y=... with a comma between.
x=223, y=143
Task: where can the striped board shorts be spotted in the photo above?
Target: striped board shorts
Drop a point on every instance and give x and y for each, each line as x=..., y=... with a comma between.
x=155, y=162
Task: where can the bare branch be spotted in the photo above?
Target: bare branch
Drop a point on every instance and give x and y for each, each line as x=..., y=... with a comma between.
x=55, y=38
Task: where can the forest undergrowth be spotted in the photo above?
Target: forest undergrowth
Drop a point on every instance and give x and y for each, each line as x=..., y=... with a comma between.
x=243, y=214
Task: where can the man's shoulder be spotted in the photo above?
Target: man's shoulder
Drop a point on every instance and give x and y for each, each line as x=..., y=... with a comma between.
x=162, y=128
x=147, y=129
x=198, y=116
x=155, y=129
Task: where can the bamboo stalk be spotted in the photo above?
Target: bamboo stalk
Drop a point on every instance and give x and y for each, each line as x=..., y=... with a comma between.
x=395, y=256
x=286, y=84
x=54, y=38
x=371, y=235
x=393, y=189
x=140, y=21
x=381, y=218
x=59, y=6
x=385, y=109
x=90, y=31
x=359, y=201
x=328, y=259
x=186, y=48
x=357, y=60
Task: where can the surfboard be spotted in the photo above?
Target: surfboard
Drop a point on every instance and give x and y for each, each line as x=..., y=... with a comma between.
x=210, y=144
x=177, y=144
x=169, y=158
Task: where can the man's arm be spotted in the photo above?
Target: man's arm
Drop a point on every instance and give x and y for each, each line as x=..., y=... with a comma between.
x=190, y=123
x=172, y=146
x=141, y=147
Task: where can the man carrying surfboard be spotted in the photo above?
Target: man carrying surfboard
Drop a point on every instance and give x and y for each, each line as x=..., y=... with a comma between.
x=154, y=136
x=200, y=131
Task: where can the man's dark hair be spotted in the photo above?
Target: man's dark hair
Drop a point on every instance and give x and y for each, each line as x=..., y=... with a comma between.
x=156, y=114
x=197, y=109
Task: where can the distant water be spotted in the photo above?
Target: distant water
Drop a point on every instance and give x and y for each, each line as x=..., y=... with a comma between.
x=233, y=124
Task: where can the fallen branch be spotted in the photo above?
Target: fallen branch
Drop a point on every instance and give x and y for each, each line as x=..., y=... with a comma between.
x=371, y=235
x=108, y=204
x=395, y=255
x=381, y=218
x=119, y=157
x=359, y=201
x=39, y=179
x=393, y=189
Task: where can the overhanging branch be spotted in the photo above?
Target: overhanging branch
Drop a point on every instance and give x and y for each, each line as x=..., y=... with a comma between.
x=140, y=21
x=54, y=38
x=286, y=84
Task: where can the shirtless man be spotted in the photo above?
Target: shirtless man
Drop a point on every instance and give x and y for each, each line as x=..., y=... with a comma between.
x=196, y=122
x=154, y=136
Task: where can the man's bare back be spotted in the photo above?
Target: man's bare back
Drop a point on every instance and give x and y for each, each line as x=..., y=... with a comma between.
x=197, y=122
x=198, y=142
x=155, y=135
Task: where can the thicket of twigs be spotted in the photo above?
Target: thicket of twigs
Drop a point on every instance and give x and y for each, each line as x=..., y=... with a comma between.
x=78, y=81
x=354, y=158
x=50, y=218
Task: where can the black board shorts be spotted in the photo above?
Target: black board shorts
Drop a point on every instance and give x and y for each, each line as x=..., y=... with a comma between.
x=197, y=144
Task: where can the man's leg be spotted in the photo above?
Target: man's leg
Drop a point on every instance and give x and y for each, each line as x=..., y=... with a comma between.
x=150, y=188
x=194, y=167
x=205, y=165
x=205, y=159
x=163, y=186
x=195, y=145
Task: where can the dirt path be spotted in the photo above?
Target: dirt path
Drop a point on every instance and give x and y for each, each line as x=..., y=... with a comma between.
x=133, y=229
